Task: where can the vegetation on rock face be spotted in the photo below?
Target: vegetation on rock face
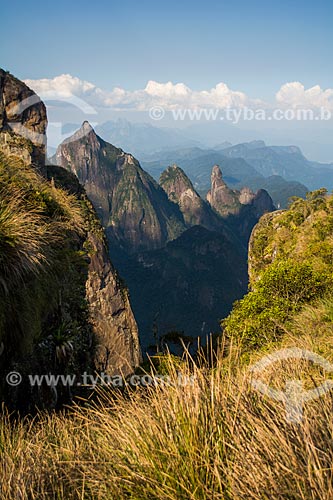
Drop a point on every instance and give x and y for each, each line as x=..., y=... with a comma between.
x=283, y=288
x=290, y=265
x=174, y=181
x=35, y=216
x=201, y=432
x=204, y=432
x=42, y=270
x=50, y=282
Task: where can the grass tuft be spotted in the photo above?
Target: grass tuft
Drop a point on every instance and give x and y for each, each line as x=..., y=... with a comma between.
x=211, y=438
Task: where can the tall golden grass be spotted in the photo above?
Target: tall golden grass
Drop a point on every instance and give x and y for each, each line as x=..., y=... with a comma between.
x=34, y=217
x=213, y=438
x=24, y=234
x=206, y=435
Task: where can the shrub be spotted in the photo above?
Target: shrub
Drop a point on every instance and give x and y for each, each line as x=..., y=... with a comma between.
x=282, y=289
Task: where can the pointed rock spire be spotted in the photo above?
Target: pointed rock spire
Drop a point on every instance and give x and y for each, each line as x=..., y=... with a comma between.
x=216, y=173
x=223, y=199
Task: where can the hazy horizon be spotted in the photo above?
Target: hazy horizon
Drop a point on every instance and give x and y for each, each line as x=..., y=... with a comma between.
x=131, y=60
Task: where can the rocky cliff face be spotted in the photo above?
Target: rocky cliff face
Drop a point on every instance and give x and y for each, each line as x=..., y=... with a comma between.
x=132, y=206
x=183, y=258
x=115, y=332
x=180, y=190
x=63, y=306
x=240, y=209
x=22, y=115
x=115, y=329
x=223, y=199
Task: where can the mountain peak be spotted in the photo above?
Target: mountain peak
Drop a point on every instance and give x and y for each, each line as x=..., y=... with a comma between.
x=86, y=127
x=175, y=182
x=180, y=190
x=256, y=144
x=22, y=113
x=216, y=172
x=216, y=178
x=84, y=131
x=223, y=199
x=134, y=209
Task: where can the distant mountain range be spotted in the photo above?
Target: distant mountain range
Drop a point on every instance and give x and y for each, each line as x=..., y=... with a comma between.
x=143, y=137
x=286, y=161
x=175, y=225
x=282, y=170
x=183, y=257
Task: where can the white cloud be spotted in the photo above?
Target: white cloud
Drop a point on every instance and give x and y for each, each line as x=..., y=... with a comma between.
x=168, y=90
x=168, y=95
x=63, y=86
x=295, y=95
x=171, y=96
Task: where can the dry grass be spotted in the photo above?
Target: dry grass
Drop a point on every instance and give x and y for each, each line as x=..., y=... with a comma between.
x=35, y=217
x=213, y=438
x=24, y=235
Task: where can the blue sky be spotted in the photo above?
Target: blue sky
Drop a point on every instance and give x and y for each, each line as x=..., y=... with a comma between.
x=219, y=53
x=253, y=46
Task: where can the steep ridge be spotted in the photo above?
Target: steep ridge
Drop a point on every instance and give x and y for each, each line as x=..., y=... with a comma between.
x=238, y=172
x=132, y=206
x=180, y=190
x=63, y=306
x=168, y=242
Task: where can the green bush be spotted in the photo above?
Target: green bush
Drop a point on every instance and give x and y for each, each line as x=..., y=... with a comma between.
x=283, y=288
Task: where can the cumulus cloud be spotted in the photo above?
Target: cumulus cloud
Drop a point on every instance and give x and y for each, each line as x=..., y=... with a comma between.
x=295, y=95
x=63, y=85
x=168, y=95
x=175, y=95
